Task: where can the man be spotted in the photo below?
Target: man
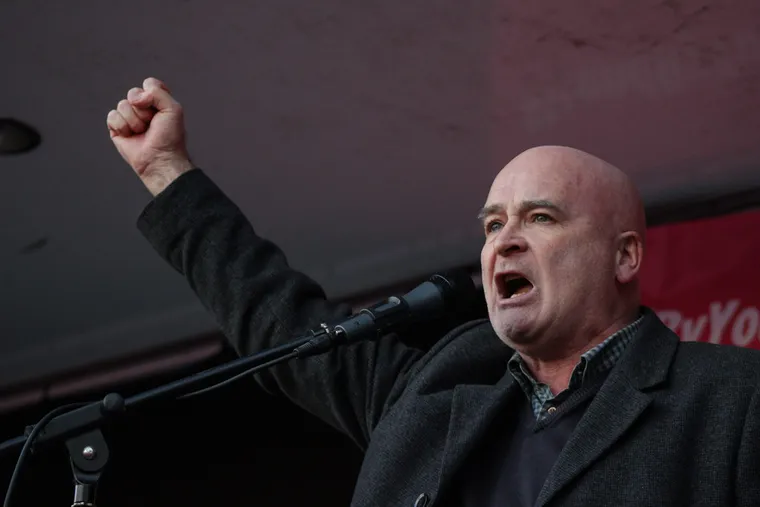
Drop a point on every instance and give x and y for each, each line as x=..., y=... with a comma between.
x=571, y=393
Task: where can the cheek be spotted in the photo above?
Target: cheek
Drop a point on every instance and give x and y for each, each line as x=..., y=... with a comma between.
x=486, y=268
x=576, y=266
x=564, y=262
x=486, y=254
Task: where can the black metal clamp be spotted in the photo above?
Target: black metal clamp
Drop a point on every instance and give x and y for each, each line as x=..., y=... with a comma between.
x=89, y=456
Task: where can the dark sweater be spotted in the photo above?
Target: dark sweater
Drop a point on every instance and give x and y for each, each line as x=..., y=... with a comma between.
x=512, y=468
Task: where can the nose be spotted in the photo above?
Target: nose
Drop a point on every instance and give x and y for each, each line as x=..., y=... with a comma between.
x=510, y=241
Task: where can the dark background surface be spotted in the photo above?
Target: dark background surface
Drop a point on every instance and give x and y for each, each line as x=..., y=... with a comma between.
x=361, y=137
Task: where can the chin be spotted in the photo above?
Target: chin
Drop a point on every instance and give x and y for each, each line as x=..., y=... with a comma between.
x=514, y=332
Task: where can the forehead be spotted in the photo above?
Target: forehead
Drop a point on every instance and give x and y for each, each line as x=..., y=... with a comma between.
x=513, y=185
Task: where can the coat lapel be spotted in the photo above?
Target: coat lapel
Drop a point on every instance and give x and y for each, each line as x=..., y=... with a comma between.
x=473, y=409
x=619, y=403
x=611, y=414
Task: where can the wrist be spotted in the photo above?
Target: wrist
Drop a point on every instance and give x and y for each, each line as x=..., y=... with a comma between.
x=159, y=178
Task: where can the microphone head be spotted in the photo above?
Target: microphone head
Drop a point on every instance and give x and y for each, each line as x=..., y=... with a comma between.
x=442, y=294
x=457, y=287
x=447, y=300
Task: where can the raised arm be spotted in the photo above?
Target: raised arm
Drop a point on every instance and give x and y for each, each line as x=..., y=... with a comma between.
x=244, y=280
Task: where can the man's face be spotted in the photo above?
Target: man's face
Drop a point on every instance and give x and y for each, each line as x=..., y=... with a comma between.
x=548, y=262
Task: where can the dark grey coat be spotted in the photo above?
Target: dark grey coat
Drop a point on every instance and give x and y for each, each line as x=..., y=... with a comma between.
x=674, y=424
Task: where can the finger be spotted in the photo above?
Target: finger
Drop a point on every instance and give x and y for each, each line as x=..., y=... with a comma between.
x=155, y=94
x=152, y=82
x=144, y=113
x=117, y=124
x=134, y=94
x=127, y=112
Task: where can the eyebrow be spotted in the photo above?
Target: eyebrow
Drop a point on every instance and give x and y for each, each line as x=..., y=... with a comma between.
x=525, y=206
x=487, y=211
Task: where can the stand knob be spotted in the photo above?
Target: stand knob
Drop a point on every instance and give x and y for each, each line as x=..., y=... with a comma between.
x=88, y=452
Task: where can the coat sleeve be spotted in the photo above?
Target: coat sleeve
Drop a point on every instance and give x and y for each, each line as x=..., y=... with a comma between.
x=260, y=302
x=748, y=461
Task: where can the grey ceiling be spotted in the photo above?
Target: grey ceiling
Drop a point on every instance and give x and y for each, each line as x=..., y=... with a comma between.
x=360, y=136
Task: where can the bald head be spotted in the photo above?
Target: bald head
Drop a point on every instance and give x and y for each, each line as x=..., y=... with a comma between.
x=605, y=191
x=573, y=226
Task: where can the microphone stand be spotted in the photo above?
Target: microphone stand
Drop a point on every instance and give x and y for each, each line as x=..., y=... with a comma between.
x=80, y=428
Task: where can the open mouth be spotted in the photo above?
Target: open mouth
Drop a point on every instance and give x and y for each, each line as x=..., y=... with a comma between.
x=512, y=285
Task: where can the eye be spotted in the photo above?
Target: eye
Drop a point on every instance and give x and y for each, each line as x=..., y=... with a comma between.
x=493, y=226
x=541, y=218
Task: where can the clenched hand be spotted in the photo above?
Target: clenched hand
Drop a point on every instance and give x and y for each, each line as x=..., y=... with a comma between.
x=148, y=130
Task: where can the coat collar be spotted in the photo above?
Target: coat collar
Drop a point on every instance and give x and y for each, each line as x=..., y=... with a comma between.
x=621, y=400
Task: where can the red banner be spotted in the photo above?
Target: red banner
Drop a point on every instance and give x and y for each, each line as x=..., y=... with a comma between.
x=703, y=278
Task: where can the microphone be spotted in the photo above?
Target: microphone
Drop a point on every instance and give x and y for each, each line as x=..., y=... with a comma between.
x=432, y=299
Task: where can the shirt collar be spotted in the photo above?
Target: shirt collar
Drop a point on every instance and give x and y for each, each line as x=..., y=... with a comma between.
x=594, y=362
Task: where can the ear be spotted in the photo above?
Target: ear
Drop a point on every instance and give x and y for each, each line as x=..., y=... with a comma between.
x=630, y=253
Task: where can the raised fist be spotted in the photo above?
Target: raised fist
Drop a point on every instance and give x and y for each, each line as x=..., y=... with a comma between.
x=148, y=130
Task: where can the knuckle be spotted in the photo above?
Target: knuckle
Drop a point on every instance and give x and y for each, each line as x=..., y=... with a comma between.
x=134, y=93
x=113, y=117
x=151, y=82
